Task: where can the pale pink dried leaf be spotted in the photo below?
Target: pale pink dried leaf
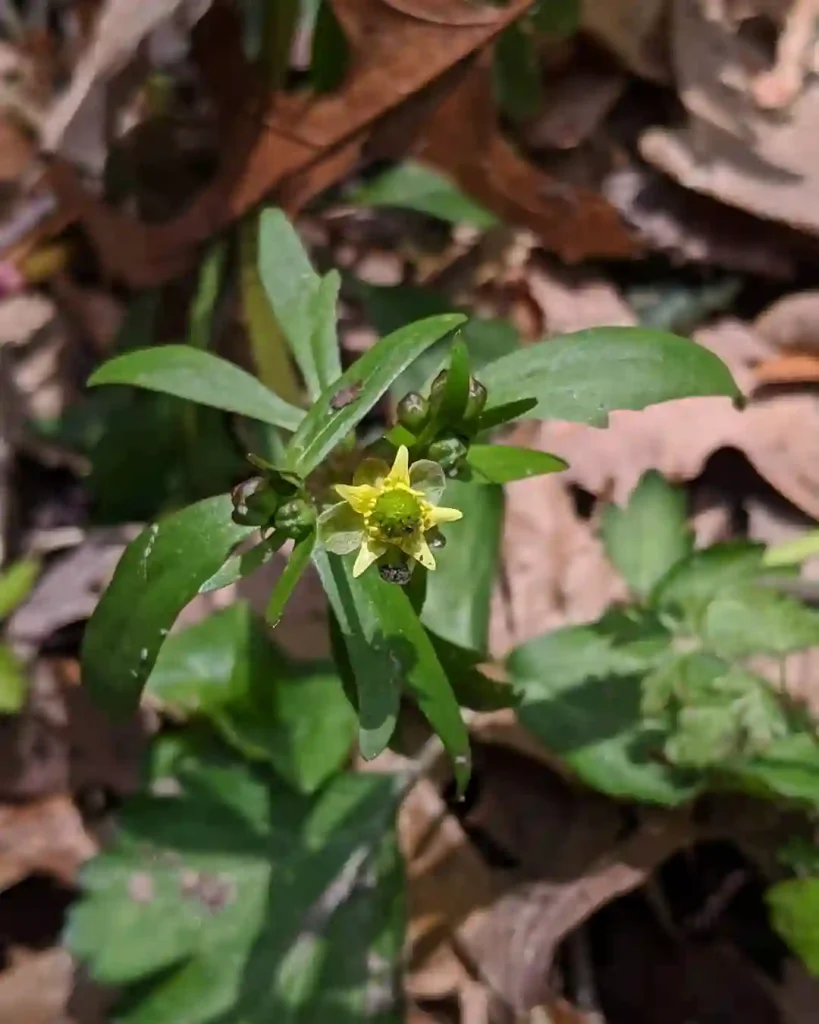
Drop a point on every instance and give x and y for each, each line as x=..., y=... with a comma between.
x=43, y=837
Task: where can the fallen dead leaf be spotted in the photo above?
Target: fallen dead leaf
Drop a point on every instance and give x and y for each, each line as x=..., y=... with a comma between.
x=301, y=144
x=733, y=149
x=575, y=104
x=43, y=837
x=120, y=28
x=467, y=144
x=554, y=568
x=696, y=228
x=515, y=944
x=632, y=30
x=791, y=323
x=35, y=990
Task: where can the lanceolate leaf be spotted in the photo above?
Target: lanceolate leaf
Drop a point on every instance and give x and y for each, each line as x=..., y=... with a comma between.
x=187, y=372
x=650, y=535
x=340, y=407
x=158, y=574
x=240, y=901
x=503, y=463
x=16, y=582
x=303, y=303
x=286, y=583
x=460, y=590
x=390, y=651
x=583, y=377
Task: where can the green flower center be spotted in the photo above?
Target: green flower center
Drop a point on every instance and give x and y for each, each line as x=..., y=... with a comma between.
x=396, y=514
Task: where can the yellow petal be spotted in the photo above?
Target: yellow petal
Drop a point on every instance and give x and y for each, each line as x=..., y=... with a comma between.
x=361, y=498
x=416, y=547
x=370, y=550
x=399, y=474
x=438, y=515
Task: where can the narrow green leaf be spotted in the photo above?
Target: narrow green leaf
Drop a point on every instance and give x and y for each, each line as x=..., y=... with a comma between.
x=516, y=72
x=377, y=674
x=201, y=377
x=16, y=583
x=158, y=574
x=271, y=353
x=414, y=186
x=650, y=535
x=239, y=566
x=583, y=377
x=456, y=390
x=794, y=911
x=361, y=387
x=473, y=689
x=580, y=694
x=211, y=274
x=505, y=414
x=292, y=715
x=390, y=307
x=13, y=682
x=750, y=619
x=303, y=303
x=330, y=56
x=412, y=652
x=242, y=901
x=558, y=18
x=286, y=583
x=459, y=592
x=502, y=463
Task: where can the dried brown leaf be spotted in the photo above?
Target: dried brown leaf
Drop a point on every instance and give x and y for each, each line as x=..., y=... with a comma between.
x=791, y=322
x=35, y=989
x=120, y=29
x=43, y=837
x=632, y=30
x=514, y=946
x=733, y=149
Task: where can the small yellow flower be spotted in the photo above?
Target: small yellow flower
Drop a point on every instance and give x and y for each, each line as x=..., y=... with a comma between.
x=385, y=508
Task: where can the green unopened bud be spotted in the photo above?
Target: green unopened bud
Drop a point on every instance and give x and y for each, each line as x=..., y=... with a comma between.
x=254, y=502
x=295, y=518
x=436, y=391
x=475, y=401
x=413, y=412
x=448, y=452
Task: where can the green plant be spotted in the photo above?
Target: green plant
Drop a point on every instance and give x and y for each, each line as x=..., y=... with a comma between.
x=16, y=583
x=259, y=826
x=661, y=699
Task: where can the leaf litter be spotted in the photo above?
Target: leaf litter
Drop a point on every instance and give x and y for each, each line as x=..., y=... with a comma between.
x=506, y=891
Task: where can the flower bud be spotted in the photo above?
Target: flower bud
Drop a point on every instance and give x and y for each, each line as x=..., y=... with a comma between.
x=475, y=401
x=438, y=385
x=413, y=412
x=295, y=518
x=448, y=452
x=254, y=502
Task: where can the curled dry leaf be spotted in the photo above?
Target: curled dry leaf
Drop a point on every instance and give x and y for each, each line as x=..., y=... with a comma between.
x=300, y=145
x=468, y=145
x=43, y=837
x=515, y=944
x=734, y=149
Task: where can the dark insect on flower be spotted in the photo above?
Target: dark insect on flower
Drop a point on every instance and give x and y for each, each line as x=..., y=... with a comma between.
x=395, y=572
x=344, y=396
